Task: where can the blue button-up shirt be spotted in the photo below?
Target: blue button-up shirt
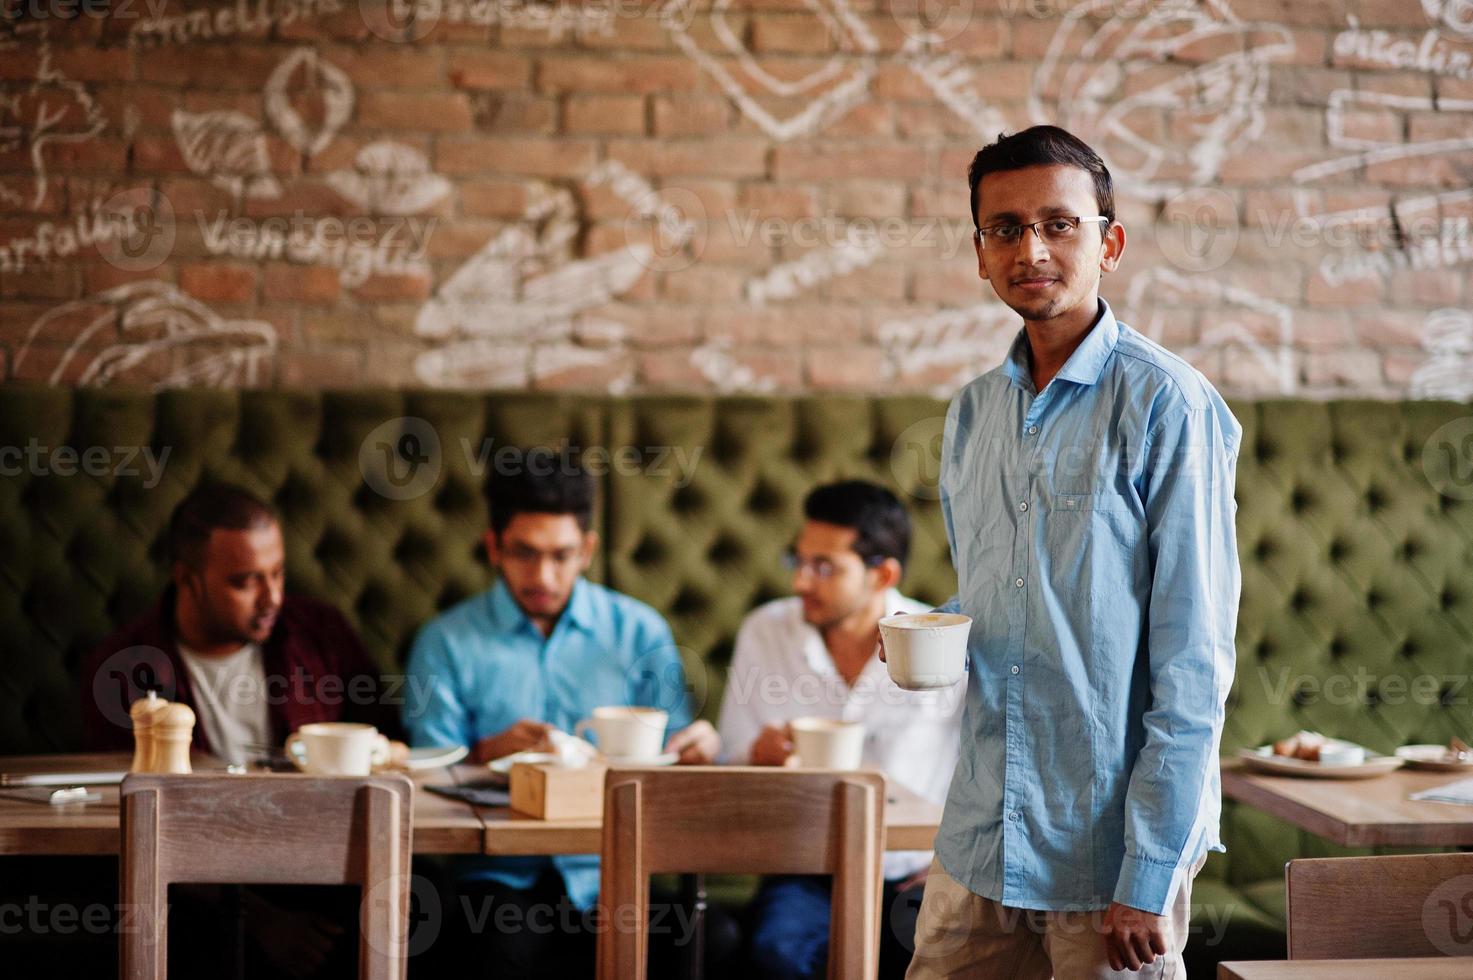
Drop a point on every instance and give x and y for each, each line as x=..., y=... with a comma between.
x=1091, y=526
x=484, y=666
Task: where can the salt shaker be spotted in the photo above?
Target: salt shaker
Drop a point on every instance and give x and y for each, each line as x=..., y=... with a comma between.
x=145, y=714
x=173, y=731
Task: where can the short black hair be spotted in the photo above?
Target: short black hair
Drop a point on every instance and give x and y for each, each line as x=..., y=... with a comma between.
x=880, y=521
x=209, y=506
x=1042, y=146
x=539, y=481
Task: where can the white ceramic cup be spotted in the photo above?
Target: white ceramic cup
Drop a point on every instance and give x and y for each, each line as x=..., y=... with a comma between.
x=624, y=732
x=337, y=748
x=926, y=651
x=827, y=743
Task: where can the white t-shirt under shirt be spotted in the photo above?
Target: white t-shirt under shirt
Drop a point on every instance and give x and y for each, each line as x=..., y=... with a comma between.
x=230, y=700
x=781, y=670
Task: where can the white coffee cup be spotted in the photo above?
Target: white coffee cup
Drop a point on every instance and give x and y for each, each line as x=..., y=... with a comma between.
x=827, y=743
x=625, y=732
x=926, y=651
x=337, y=748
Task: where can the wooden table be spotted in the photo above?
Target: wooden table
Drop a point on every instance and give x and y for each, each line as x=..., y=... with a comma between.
x=441, y=825
x=1430, y=968
x=1357, y=812
x=910, y=825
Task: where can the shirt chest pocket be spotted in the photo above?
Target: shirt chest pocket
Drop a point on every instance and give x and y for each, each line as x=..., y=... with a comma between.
x=1104, y=530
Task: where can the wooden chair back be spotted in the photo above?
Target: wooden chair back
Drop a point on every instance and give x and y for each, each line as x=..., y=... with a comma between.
x=1369, y=907
x=751, y=820
x=284, y=829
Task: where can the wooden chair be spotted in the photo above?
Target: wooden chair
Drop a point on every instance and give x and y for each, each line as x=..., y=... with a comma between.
x=738, y=819
x=1368, y=907
x=267, y=829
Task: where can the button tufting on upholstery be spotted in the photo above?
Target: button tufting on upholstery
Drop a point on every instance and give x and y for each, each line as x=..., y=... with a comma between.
x=1408, y=649
x=1338, y=550
x=1303, y=695
x=764, y=499
x=1372, y=698
x=1375, y=499
x=689, y=602
x=649, y=551
x=1264, y=649
x=726, y=550
x=1300, y=500
x=1263, y=451
x=1409, y=549
x=687, y=500
x=1337, y=453
x=1373, y=599
x=1299, y=600
x=1337, y=648
x=1263, y=549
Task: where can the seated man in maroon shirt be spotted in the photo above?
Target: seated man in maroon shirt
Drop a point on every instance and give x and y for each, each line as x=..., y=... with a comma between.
x=255, y=664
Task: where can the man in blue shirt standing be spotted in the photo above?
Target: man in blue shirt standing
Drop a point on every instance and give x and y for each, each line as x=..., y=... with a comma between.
x=539, y=651
x=1087, y=486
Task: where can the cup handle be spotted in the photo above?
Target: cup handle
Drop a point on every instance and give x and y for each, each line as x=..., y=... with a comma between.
x=293, y=741
x=380, y=756
x=582, y=727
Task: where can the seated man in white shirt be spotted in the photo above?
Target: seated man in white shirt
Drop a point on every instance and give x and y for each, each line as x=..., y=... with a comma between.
x=814, y=655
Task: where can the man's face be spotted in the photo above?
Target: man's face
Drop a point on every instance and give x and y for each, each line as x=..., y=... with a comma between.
x=831, y=578
x=1040, y=280
x=540, y=557
x=238, y=587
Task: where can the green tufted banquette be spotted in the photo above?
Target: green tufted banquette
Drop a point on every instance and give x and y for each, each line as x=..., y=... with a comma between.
x=1356, y=616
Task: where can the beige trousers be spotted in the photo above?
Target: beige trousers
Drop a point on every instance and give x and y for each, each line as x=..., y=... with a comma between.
x=962, y=935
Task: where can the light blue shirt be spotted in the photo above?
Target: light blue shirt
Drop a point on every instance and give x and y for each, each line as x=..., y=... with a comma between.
x=1091, y=527
x=485, y=667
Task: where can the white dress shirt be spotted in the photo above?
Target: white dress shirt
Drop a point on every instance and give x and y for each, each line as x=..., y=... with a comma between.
x=782, y=670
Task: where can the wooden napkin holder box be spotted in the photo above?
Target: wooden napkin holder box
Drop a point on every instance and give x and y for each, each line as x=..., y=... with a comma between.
x=552, y=792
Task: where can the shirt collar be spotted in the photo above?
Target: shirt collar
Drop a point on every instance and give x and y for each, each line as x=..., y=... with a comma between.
x=506, y=614
x=1084, y=366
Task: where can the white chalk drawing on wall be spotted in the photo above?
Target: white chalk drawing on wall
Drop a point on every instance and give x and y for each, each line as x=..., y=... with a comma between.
x=1215, y=106
x=36, y=113
x=1424, y=232
x=390, y=178
x=825, y=94
x=221, y=20
x=229, y=148
x=1372, y=151
x=1447, y=336
x=719, y=366
x=147, y=333
x=953, y=83
x=308, y=99
x=524, y=286
x=1453, y=18
x=1390, y=49
x=1257, y=356
x=858, y=249
x=950, y=347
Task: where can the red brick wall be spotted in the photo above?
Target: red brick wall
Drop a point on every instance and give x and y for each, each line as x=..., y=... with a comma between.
x=764, y=195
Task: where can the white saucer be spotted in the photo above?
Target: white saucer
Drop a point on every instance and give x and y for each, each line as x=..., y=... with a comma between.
x=435, y=756
x=1431, y=757
x=667, y=759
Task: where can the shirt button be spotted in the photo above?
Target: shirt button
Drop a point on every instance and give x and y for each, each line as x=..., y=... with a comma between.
x=1022, y=505
x=1033, y=430
x=1019, y=583
x=1015, y=668
x=1014, y=815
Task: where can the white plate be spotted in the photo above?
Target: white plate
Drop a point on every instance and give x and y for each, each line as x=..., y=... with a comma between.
x=1431, y=757
x=1264, y=760
x=435, y=756
x=668, y=759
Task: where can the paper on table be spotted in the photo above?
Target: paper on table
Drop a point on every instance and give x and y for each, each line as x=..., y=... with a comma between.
x=1458, y=792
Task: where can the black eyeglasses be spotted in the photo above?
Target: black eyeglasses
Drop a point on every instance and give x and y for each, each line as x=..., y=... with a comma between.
x=1058, y=230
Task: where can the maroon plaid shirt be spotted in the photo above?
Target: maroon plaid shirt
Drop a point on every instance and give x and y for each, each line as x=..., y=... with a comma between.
x=316, y=670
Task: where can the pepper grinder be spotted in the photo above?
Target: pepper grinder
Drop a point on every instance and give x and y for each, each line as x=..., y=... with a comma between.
x=173, y=732
x=145, y=714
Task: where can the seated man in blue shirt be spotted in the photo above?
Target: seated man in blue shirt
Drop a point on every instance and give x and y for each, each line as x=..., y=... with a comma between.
x=540, y=650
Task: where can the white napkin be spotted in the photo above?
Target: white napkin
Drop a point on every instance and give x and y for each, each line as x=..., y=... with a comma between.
x=1459, y=792
x=571, y=751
